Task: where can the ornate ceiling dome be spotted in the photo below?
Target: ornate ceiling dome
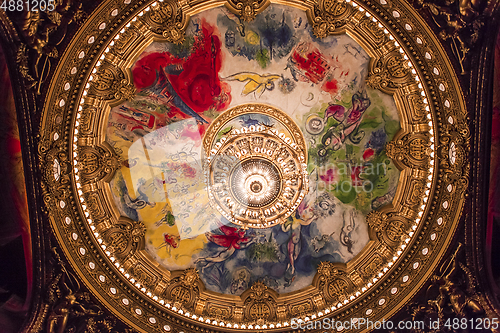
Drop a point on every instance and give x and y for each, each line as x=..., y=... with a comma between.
x=249, y=165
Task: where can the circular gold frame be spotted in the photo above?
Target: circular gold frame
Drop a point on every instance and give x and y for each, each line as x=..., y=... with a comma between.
x=292, y=142
x=408, y=238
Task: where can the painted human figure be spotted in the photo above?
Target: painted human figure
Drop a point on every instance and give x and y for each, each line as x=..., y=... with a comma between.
x=347, y=229
x=349, y=120
x=304, y=215
x=308, y=211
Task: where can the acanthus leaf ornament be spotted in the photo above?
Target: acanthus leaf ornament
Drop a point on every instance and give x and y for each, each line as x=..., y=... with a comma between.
x=376, y=220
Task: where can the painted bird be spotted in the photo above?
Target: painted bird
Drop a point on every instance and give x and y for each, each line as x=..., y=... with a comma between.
x=255, y=83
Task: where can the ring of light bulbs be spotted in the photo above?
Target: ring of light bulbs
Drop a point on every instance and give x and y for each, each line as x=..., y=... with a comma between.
x=222, y=323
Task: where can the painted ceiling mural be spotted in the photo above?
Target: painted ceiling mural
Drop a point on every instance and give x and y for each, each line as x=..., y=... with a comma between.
x=274, y=60
x=231, y=166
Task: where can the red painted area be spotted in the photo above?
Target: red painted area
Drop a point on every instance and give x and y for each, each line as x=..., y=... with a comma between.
x=232, y=238
x=368, y=154
x=194, y=132
x=330, y=86
x=198, y=85
x=355, y=171
x=144, y=70
x=13, y=146
x=310, y=62
x=171, y=240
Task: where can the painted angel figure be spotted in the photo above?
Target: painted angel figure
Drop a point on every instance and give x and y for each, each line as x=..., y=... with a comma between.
x=304, y=216
x=255, y=83
x=349, y=121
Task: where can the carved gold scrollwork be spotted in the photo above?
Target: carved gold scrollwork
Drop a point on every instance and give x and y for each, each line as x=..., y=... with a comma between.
x=395, y=230
x=319, y=301
x=372, y=266
x=185, y=289
x=87, y=120
x=453, y=153
x=56, y=175
x=219, y=312
x=96, y=163
x=125, y=41
x=389, y=228
x=417, y=107
x=144, y=276
x=301, y=308
x=377, y=34
x=388, y=73
x=260, y=303
x=330, y=17
x=94, y=204
x=167, y=20
x=111, y=83
x=334, y=283
x=125, y=237
x=247, y=9
x=415, y=192
x=412, y=150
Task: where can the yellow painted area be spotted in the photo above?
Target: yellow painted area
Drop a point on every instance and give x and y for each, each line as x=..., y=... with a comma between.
x=188, y=209
x=252, y=38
